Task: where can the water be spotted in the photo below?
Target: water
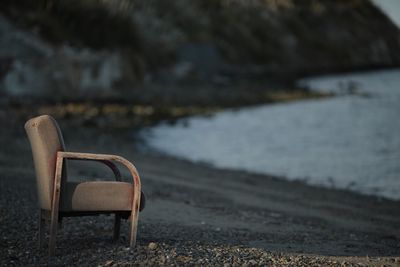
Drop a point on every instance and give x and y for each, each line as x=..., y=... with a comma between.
x=391, y=8
x=349, y=141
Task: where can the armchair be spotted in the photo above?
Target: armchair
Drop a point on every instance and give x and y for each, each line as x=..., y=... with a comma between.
x=60, y=198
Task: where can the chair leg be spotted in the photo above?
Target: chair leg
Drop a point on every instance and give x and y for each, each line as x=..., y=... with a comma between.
x=42, y=224
x=134, y=226
x=117, y=227
x=53, y=235
x=135, y=216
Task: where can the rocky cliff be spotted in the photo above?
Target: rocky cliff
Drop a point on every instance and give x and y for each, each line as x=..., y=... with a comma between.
x=88, y=47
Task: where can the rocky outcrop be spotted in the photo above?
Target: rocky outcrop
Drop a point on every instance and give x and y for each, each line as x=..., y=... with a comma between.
x=88, y=47
x=278, y=36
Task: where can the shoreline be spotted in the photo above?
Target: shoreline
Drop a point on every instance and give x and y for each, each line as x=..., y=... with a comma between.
x=196, y=214
x=315, y=120
x=129, y=113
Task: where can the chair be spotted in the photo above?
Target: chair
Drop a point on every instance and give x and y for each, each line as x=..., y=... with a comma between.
x=60, y=198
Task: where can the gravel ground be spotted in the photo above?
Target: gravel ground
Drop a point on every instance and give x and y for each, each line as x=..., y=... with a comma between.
x=195, y=216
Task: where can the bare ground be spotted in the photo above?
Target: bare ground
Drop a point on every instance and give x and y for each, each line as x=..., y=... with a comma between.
x=195, y=214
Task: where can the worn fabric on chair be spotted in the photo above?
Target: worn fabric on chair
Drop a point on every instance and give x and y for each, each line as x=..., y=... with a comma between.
x=46, y=140
x=97, y=196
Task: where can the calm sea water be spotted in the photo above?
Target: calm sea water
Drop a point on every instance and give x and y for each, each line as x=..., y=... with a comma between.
x=348, y=141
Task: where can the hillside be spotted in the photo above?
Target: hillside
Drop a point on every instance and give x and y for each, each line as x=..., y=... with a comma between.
x=89, y=47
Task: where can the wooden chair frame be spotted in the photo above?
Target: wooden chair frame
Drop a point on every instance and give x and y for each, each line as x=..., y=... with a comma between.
x=55, y=216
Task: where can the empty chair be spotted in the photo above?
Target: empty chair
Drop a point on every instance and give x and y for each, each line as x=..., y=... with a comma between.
x=59, y=197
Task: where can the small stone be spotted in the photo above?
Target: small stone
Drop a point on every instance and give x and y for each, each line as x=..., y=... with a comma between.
x=162, y=259
x=109, y=263
x=252, y=262
x=152, y=245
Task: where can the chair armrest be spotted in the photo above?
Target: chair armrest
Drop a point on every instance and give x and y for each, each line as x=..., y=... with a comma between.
x=61, y=155
x=106, y=159
x=92, y=157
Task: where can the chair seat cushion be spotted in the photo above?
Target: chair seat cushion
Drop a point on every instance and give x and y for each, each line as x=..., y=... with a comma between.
x=96, y=196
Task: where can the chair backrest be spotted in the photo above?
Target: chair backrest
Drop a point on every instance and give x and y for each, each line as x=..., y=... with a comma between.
x=46, y=140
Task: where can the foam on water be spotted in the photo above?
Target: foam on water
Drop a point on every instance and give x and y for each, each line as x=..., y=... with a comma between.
x=349, y=141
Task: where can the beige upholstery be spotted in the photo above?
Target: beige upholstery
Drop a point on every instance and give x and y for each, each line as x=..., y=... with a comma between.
x=60, y=198
x=97, y=196
x=46, y=140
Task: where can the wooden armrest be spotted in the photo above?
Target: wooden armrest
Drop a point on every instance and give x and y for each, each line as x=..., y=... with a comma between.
x=103, y=157
x=92, y=157
x=61, y=155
